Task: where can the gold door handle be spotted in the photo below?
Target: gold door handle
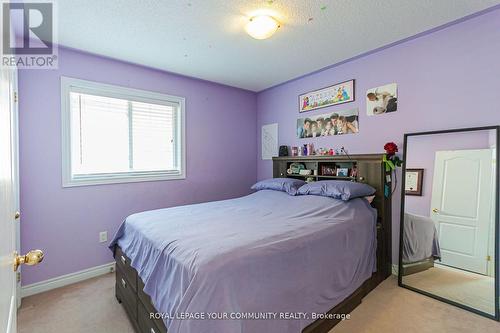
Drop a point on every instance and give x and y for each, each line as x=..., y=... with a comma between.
x=435, y=210
x=31, y=258
x=17, y=215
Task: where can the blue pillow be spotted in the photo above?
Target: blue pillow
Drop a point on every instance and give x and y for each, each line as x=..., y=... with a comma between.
x=338, y=189
x=288, y=185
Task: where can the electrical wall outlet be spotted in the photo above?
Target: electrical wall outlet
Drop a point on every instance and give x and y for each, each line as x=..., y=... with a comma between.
x=103, y=236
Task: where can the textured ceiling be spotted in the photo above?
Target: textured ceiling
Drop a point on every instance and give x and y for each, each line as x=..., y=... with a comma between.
x=206, y=38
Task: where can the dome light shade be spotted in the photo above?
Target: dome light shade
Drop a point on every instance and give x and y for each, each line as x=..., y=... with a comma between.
x=262, y=27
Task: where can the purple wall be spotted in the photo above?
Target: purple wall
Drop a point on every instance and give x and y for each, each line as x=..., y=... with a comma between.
x=65, y=222
x=447, y=79
x=421, y=152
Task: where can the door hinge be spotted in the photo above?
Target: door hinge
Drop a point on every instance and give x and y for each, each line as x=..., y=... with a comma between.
x=15, y=97
x=18, y=277
x=488, y=258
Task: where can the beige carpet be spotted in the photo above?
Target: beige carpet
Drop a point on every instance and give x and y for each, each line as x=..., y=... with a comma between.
x=90, y=307
x=474, y=290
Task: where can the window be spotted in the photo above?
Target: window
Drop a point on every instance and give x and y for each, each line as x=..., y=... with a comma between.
x=114, y=134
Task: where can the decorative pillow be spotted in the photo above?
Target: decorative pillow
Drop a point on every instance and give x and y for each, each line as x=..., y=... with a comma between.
x=288, y=185
x=337, y=189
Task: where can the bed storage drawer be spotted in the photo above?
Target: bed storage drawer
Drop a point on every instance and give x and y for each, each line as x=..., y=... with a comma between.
x=126, y=294
x=123, y=263
x=147, y=324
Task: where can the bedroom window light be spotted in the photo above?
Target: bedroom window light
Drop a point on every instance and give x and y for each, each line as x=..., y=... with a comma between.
x=113, y=134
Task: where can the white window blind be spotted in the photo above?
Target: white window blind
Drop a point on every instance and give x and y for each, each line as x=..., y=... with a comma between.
x=118, y=135
x=153, y=133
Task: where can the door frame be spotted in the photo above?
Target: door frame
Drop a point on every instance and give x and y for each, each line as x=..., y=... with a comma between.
x=491, y=240
x=15, y=170
x=496, y=316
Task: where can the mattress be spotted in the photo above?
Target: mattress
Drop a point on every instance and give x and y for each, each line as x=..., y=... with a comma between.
x=266, y=262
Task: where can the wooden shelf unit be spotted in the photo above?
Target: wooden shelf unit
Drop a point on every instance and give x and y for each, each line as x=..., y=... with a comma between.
x=318, y=177
x=319, y=163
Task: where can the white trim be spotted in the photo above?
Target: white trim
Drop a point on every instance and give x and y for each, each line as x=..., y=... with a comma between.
x=64, y=280
x=101, y=89
x=12, y=319
x=490, y=268
x=117, y=178
x=15, y=168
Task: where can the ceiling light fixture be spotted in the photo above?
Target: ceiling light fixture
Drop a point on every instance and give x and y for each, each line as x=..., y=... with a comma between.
x=262, y=26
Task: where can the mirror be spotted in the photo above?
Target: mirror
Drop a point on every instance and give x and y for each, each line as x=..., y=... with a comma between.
x=449, y=217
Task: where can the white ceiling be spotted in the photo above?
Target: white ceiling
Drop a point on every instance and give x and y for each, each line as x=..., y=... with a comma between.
x=206, y=38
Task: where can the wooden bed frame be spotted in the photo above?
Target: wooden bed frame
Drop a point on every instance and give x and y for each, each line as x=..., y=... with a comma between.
x=417, y=266
x=370, y=169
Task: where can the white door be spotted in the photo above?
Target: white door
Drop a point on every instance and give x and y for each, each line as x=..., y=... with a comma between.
x=461, y=207
x=8, y=299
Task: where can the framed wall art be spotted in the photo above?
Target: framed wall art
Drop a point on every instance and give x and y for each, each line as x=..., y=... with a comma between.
x=269, y=141
x=382, y=99
x=413, y=181
x=337, y=94
x=329, y=124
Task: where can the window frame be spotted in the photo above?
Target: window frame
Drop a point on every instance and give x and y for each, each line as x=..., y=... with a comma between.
x=69, y=85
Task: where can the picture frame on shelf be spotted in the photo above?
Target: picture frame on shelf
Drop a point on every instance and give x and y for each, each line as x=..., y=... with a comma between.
x=342, y=172
x=327, y=171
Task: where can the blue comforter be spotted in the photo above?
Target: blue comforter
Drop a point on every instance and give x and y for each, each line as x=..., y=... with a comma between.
x=266, y=255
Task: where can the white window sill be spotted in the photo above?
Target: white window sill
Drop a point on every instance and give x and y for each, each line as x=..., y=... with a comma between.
x=119, y=178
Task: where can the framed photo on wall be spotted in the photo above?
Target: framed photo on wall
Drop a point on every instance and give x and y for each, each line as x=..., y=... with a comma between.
x=413, y=181
x=328, y=124
x=337, y=94
x=382, y=100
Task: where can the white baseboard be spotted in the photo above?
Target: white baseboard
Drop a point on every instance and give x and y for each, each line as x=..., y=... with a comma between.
x=64, y=280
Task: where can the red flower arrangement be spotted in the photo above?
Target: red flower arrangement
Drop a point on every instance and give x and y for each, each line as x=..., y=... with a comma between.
x=391, y=159
x=390, y=148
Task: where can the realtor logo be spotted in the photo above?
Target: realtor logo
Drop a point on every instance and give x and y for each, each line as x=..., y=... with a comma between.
x=28, y=32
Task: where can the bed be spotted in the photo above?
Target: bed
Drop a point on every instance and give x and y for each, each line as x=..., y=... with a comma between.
x=260, y=263
x=420, y=244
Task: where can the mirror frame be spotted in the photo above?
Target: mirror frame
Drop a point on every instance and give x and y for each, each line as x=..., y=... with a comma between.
x=496, y=316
